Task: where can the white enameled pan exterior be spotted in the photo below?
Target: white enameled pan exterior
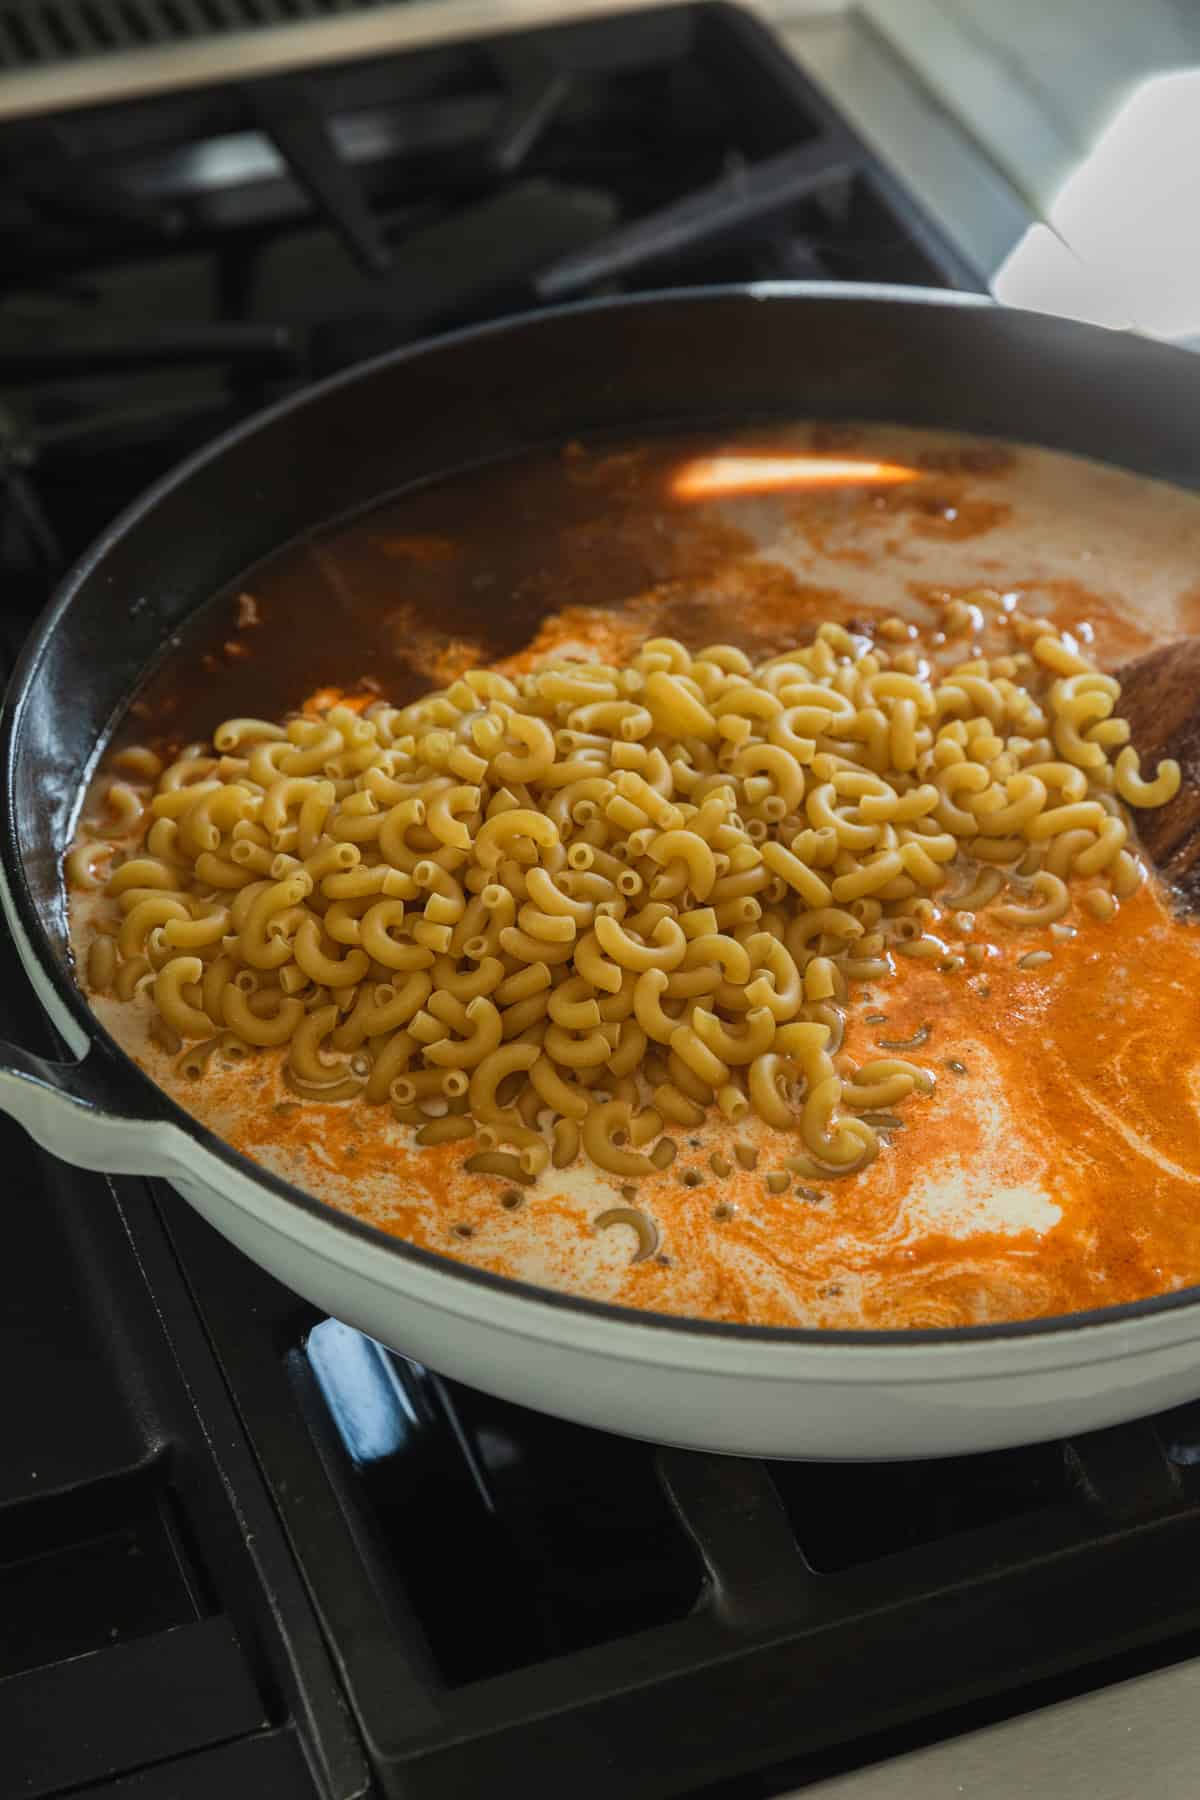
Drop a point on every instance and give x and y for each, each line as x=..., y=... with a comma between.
x=724, y=1388
x=705, y=1388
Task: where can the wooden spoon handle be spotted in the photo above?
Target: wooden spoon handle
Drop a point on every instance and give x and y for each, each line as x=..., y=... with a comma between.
x=1160, y=696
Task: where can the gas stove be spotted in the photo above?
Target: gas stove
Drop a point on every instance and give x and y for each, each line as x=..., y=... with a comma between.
x=178, y=260
x=244, y=1549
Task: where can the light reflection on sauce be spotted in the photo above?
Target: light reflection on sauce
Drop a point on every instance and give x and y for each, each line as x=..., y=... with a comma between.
x=717, y=477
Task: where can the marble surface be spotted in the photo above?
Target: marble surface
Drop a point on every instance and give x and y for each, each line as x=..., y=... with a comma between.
x=1038, y=81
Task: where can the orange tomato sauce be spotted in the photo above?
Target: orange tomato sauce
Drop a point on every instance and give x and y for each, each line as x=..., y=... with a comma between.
x=1074, y=1101
x=1056, y=1165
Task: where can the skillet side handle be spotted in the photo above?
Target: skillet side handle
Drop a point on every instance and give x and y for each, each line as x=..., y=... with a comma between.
x=79, y=1113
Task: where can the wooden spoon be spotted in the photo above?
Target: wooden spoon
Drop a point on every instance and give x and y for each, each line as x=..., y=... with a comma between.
x=1160, y=696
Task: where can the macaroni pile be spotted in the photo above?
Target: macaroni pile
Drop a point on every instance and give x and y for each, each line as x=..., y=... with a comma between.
x=575, y=909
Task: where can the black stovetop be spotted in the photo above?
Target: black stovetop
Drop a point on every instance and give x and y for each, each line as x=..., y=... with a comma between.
x=168, y=265
x=244, y=1550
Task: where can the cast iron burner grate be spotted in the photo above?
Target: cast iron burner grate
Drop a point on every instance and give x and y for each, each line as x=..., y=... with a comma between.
x=174, y=263
x=152, y=1618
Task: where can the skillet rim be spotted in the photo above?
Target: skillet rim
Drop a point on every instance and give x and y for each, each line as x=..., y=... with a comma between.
x=151, y=1104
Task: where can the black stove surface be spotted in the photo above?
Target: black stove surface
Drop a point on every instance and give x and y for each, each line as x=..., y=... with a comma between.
x=243, y=1549
x=174, y=263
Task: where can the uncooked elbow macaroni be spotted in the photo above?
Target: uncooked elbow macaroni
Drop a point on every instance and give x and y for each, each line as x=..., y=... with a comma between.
x=568, y=912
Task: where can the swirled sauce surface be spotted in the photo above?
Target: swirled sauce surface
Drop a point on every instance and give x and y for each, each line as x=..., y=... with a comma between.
x=1056, y=1165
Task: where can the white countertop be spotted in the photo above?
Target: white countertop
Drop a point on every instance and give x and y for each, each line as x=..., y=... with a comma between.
x=1090, y=109
x=1037, y=81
